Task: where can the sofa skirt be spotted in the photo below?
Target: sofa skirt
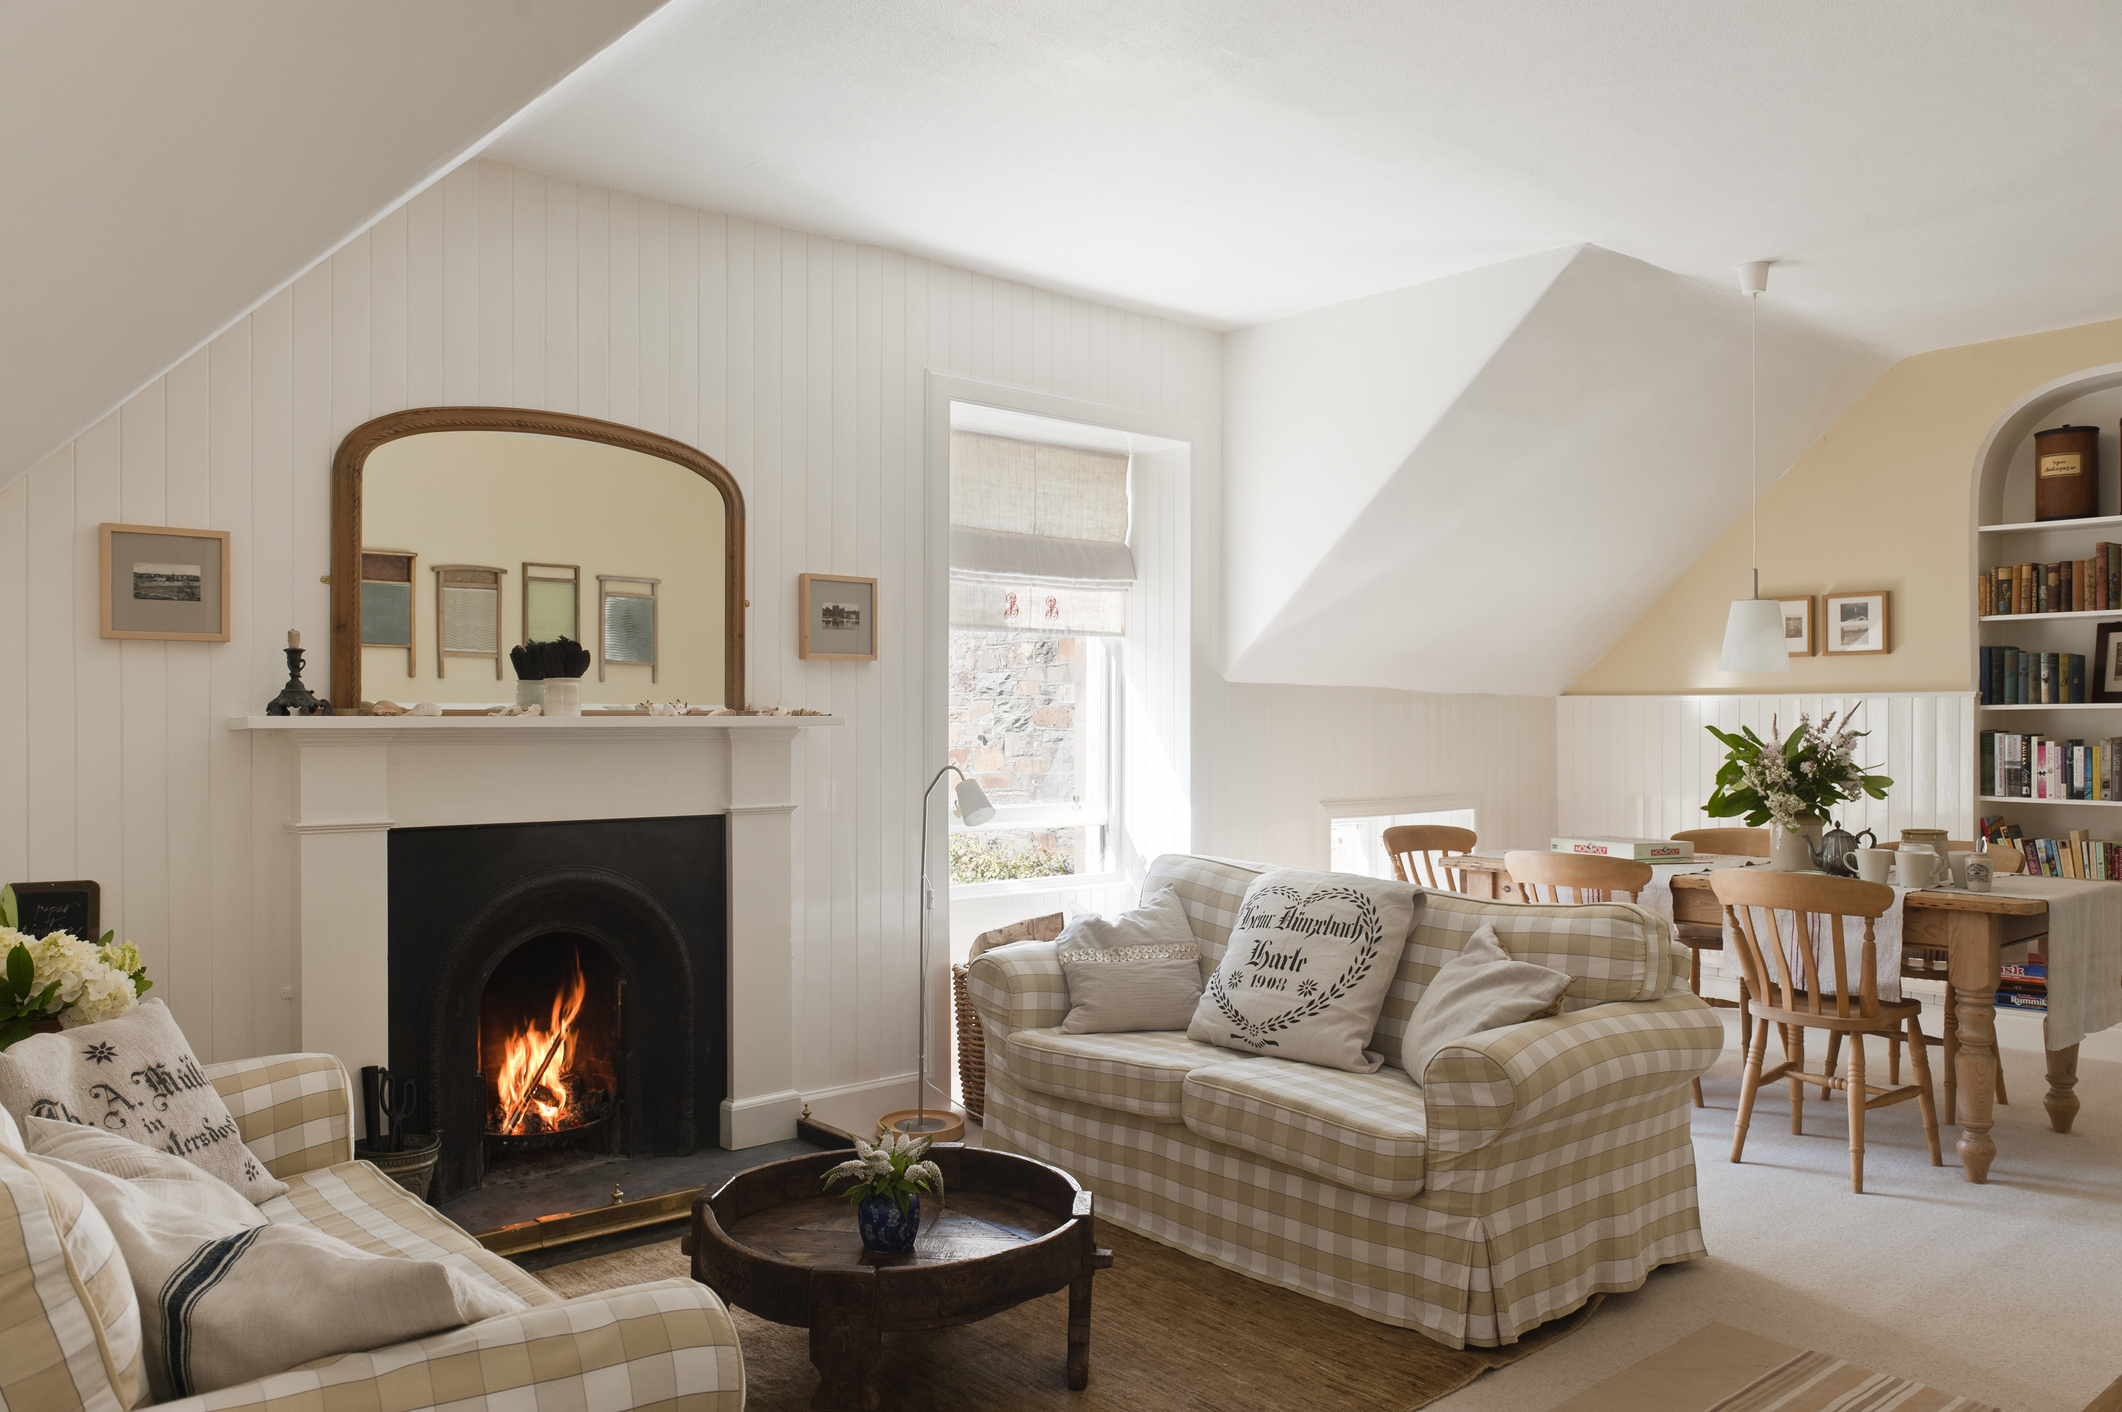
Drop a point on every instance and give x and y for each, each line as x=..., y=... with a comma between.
x=1480, y=1269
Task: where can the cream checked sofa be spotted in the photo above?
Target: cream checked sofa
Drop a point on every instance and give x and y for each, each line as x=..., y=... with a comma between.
x=664, y=1345
x=1537, y=1165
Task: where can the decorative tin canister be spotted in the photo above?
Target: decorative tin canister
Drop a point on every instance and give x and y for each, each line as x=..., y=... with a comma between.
x=2066, y=473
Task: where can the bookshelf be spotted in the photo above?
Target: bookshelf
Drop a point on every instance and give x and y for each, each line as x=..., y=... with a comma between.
x=2006, y=532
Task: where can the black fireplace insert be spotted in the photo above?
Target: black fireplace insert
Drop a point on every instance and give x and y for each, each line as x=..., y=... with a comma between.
x=559, y=987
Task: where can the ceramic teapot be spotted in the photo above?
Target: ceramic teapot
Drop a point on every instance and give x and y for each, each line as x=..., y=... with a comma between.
x=1837, y=847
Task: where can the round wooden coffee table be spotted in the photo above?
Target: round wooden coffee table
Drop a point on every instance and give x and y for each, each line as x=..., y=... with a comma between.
x=1012, y=1229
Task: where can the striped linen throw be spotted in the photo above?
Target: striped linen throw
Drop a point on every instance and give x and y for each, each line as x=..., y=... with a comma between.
x=1820, y=1382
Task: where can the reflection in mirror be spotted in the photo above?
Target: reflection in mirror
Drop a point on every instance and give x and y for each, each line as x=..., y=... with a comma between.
x=472, y=541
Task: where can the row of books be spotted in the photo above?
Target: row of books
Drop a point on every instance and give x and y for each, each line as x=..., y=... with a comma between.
x=2035, y=767
x=2070, y=586
x=2076, y=855
x=2024, y=986
x=2010, y=677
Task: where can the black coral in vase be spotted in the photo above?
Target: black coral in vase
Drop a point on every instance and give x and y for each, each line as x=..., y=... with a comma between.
x=538, y=661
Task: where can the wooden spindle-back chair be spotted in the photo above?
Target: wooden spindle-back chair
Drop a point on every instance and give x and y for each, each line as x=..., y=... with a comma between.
x=1754, y=901
x=1592, y=878
x=1699, y=937
x=1417, y=848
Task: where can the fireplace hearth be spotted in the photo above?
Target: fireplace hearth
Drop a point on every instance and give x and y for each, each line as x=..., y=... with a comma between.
x=558, y=989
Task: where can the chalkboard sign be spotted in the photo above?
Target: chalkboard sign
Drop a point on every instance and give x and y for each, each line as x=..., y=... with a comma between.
x=45, y=907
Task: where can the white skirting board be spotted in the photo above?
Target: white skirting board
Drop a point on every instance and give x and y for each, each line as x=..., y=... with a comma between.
x=1642, y=766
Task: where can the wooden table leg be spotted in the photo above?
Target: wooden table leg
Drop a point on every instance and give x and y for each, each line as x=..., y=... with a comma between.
x=845, y=1340
x=2061, y=1103
x=1972, y=940
x=1977, y=1064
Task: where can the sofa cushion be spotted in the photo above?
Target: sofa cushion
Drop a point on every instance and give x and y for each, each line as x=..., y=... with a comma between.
x=1135, y=1073
x=1307, y=968
x=167, y=1178
x=364, y=1208
x=70, y=1331
x=1482, y=988
x=1610, y=951
x=1365, y=1132
x=134, y=1076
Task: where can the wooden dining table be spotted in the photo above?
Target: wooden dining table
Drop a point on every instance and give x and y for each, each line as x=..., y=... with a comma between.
x=1970, y=927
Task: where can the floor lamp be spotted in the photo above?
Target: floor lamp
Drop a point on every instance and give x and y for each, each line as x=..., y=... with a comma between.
x=973, y=808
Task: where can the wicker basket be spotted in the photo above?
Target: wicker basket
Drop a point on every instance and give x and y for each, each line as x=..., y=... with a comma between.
x=972, y=1042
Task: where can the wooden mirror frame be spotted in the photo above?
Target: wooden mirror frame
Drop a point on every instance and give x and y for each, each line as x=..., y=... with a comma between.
x=346, y=520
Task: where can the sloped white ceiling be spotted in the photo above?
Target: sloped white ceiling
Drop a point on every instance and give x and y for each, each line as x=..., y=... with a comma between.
x=1478, y=483
x=1932, y=172
x=163, y=167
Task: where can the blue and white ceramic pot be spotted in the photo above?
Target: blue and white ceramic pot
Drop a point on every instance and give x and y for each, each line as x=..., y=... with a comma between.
x=884, y=1230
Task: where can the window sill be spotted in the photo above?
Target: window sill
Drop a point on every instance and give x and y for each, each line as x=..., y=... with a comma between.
x=1021, y=887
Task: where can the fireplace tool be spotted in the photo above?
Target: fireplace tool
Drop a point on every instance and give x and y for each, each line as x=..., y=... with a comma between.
x=383, y=1097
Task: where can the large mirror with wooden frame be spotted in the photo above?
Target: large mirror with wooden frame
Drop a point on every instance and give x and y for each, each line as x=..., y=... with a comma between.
x=460, y=532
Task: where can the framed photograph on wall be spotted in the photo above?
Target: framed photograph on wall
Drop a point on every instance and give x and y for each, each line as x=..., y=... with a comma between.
x=1797, y=625
x=839, y=618
x=2106, y=682
x=1853, y=623
x=165, y=583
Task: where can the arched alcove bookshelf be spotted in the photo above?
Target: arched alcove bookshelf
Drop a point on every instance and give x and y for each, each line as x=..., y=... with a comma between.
x=2006, y=532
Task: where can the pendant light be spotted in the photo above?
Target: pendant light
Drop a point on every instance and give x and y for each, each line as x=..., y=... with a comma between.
x=1753, y=634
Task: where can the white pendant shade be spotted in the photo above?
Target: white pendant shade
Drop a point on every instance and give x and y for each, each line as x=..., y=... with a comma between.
x=1753, y=637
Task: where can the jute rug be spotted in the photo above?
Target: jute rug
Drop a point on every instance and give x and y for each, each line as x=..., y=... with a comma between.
x=1169, y=1333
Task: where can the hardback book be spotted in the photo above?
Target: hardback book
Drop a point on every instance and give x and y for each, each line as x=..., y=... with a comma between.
x=2114, y=577
x=2075, y=690
x=2007, y=576
x=2047, y=694
x=1643, y=850
x=2100, y=598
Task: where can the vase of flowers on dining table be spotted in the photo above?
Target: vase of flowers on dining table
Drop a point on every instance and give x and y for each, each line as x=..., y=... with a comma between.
x=1792, y=783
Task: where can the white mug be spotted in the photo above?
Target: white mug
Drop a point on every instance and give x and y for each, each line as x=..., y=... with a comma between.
x=1960, y=861
x=1873, y=863
x=1979, y=871
x=1919, y=865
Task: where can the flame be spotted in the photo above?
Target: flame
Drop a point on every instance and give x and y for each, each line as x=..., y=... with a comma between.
x=526, y=1052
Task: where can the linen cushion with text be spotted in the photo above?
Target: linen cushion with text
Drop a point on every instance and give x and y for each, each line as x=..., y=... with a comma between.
x=135, y=1077
x=1307, y=968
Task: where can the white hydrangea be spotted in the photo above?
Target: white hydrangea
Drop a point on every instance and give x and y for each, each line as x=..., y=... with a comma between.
x=95, y=982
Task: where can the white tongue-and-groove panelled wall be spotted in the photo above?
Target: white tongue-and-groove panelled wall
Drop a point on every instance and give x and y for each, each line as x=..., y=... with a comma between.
x=1641, y=766
x=804, y=365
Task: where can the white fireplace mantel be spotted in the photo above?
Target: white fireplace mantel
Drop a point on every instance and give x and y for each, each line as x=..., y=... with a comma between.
x=356, y=777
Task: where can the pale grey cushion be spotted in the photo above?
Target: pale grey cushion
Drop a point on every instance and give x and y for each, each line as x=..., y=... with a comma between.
x=1129, y=989
x=1481, y=988
x=1157, y=920
x=1140, y=971
x=134, y=1077
x=155, y=1172
x=1309, y=962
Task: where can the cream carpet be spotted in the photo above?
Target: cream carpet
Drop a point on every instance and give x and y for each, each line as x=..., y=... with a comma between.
x=2003, y=1293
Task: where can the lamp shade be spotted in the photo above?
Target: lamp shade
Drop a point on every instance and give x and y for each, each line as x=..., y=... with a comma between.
x=973, y=807
x=1753, y=637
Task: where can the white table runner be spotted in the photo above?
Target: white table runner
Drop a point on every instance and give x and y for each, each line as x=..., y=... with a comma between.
x=2084, y=950
x=2084, y=946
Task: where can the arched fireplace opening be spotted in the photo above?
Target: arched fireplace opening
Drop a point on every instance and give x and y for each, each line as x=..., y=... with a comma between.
x=558, y=988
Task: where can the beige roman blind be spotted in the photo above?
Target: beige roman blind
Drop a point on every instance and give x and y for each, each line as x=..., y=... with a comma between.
x=1038, y=536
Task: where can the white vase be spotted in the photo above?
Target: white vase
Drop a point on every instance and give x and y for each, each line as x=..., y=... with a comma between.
x=563, y=696
x=1792, y=850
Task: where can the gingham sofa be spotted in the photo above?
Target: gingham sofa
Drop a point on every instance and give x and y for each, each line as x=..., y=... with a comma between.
x=1537, y=1164
x=664, y=1345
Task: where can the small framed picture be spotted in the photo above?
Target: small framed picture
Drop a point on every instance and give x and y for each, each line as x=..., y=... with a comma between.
x=164, y=583
x=1853, y=623
x=839, y=618
x=2106, y=683
x=1797, y=625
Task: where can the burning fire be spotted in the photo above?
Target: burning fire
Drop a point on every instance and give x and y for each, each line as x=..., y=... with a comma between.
x=535, y=1062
